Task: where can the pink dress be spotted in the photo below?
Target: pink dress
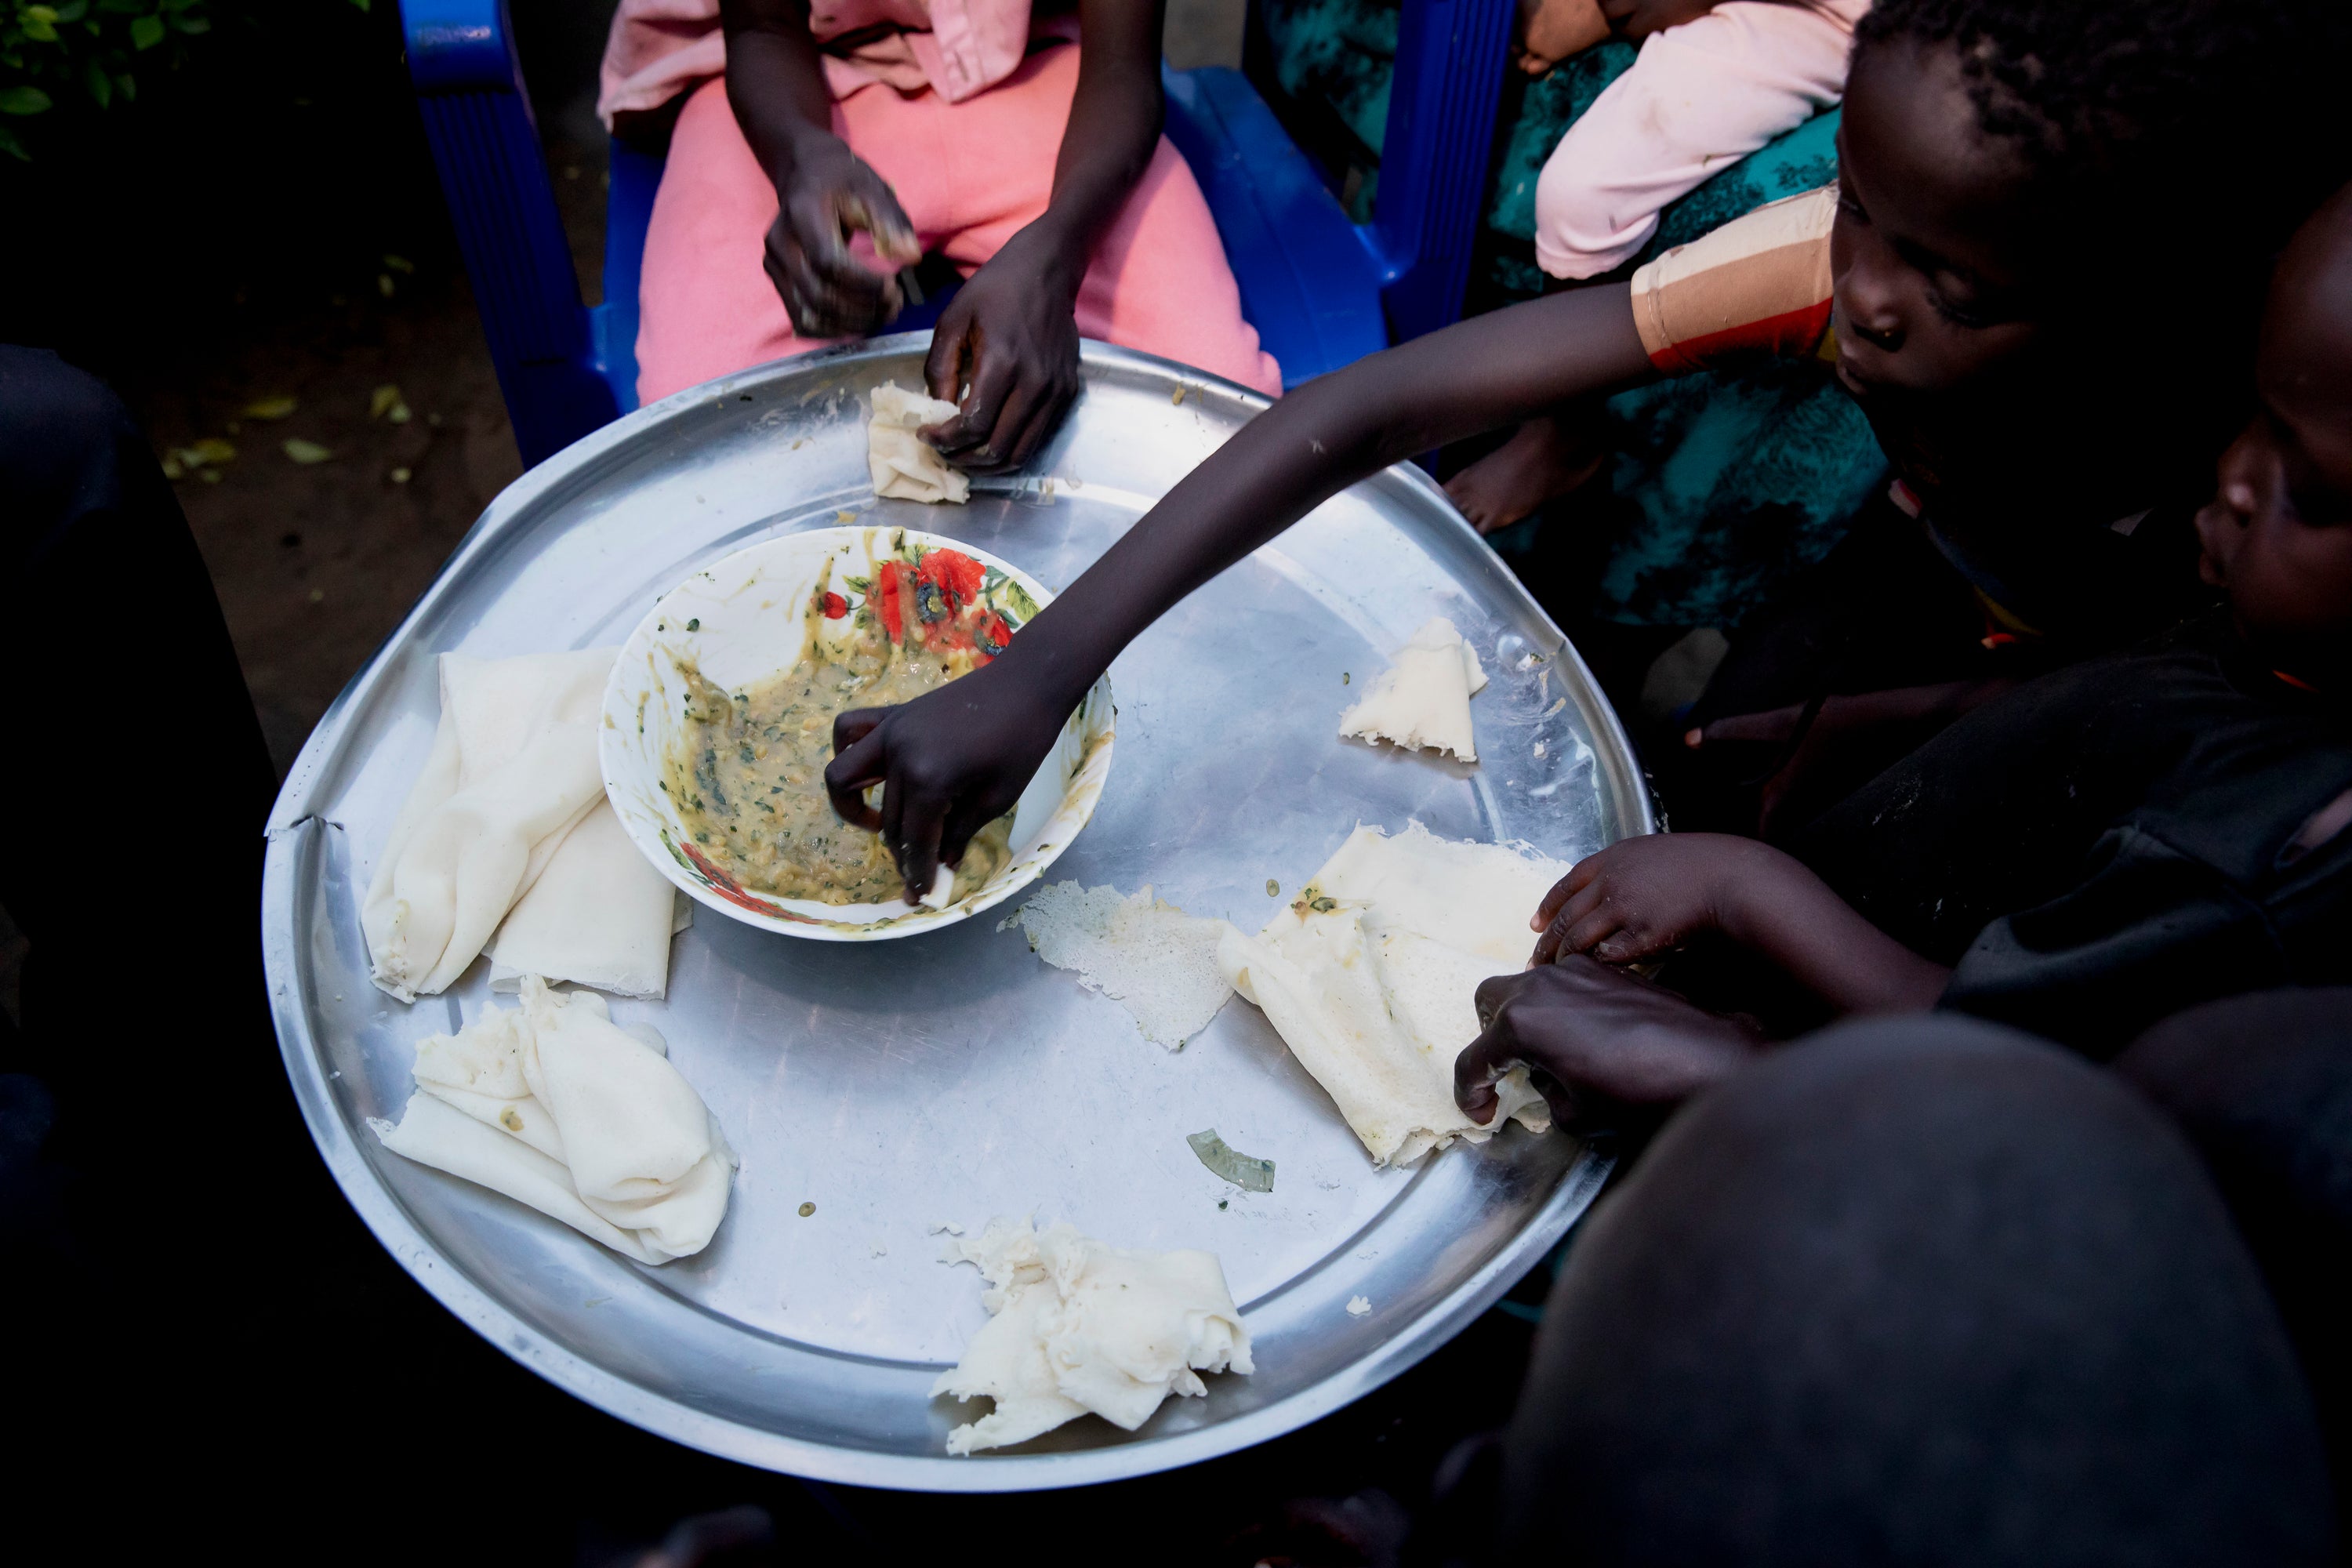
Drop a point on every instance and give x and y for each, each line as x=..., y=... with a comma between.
x=960, y=105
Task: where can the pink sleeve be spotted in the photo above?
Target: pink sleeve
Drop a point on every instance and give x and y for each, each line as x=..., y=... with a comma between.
x=657, y=49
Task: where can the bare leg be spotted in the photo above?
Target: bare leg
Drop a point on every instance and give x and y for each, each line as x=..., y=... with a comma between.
x=1547, y=458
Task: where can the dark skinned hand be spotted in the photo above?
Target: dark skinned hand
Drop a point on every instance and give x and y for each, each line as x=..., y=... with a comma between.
x=828, y=195
x=1604, y=1044
x=1637, y=20
x=1852, y=738
x=1010, y=335
x=950, y=763
x=1645, y=896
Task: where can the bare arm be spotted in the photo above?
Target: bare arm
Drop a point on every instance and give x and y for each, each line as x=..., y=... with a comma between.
x=1010, y=335
x=825, y=192
x=1643, y=898
x=955, y=759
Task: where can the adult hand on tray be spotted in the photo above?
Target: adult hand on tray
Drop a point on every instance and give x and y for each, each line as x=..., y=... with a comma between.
x=1011, y=337
x=1604, y=1043
x=949, y=763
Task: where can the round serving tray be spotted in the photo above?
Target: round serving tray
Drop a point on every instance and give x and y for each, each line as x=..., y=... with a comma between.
x=953, y=1076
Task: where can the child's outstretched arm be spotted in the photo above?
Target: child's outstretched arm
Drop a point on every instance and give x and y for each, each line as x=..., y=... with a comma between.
x=955, y=759
x=1643, y=898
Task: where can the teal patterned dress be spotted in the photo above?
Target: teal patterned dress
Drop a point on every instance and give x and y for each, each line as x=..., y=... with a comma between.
x=1725, y=485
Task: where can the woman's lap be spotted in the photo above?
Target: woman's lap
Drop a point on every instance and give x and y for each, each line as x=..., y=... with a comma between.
x=970, y=176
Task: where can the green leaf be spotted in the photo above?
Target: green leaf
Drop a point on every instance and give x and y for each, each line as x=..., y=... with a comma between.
x=13, y=148
x=363, y=5
x=191, y=24
x=178, y=5
x=124, y=7
x=45, y=15
x=73, y=10
x=128, y=87
x=23, y=100
x=40, y=32
x=306, y=452
x=279, y=406
x=146, y=32
x=100, y=89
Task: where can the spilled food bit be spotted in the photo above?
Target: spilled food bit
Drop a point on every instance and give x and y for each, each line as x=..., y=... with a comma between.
x=1359, y=1307
x=1244, y=1170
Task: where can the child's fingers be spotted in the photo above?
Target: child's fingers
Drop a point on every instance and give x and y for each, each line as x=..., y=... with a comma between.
x=1553, y=899
x=1553, y=942
x=1583, y=934
x=1475, y=1072
x=1773, y=725
x=858, y=765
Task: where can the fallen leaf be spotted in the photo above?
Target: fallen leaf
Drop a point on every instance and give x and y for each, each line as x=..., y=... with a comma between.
x=382, y=399
x=400, y=264
x=398, y=413
x=210, y=475
x=400, y=476
x=278, y=407
x=306, y=452
x=203, y=454
x=383, y=284
x=318, y=596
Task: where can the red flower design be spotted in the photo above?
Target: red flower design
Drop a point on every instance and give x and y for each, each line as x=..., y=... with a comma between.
x=835, y=606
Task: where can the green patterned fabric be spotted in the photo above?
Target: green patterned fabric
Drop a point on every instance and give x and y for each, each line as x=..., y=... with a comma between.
x=1726, y=484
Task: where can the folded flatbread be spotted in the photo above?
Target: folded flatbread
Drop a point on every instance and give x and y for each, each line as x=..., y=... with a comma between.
x=1370, y=977
x=905, y=466
x=557, y=1107
x=512, y=780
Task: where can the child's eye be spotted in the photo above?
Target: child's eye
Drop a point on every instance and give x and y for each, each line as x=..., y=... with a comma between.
x=1966, y=316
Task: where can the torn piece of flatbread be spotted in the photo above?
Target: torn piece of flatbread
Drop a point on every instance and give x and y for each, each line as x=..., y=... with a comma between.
x=1146, y=954
x=1371, y=976
x=1081, y=1327
x=904, y=465
x=1424, y=700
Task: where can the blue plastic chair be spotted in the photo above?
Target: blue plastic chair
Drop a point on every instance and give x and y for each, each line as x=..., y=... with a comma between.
x=1321, y=290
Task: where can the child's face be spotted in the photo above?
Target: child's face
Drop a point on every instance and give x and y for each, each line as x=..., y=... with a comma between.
x=2278, y=536
x=1930, y=292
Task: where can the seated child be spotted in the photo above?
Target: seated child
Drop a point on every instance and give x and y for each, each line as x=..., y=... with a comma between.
x=1712, y=83
x=977, y=129
x=1984, y=260
x=2110, y=844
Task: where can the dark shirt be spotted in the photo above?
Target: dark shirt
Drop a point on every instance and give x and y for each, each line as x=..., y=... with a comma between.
x=2113, y=842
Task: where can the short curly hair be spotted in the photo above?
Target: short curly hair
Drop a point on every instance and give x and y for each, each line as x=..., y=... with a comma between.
x=2235, y=103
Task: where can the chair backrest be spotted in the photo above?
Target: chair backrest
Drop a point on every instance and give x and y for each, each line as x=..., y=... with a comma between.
x=477, y=118
x=1434, y=153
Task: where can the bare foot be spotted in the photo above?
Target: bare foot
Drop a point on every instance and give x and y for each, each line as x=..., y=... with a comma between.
x=1544, y=459
x=1552, y=31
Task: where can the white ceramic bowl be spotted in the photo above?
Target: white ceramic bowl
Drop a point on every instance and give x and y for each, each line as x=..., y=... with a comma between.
x=742, y=620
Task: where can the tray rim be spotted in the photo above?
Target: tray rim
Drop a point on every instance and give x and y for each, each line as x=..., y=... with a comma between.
x=292, y=837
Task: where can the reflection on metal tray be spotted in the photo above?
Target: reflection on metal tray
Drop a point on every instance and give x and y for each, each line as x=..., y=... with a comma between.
x=952, y=1077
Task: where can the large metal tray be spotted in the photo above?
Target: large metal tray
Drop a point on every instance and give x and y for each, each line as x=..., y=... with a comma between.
x=954, y=1077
